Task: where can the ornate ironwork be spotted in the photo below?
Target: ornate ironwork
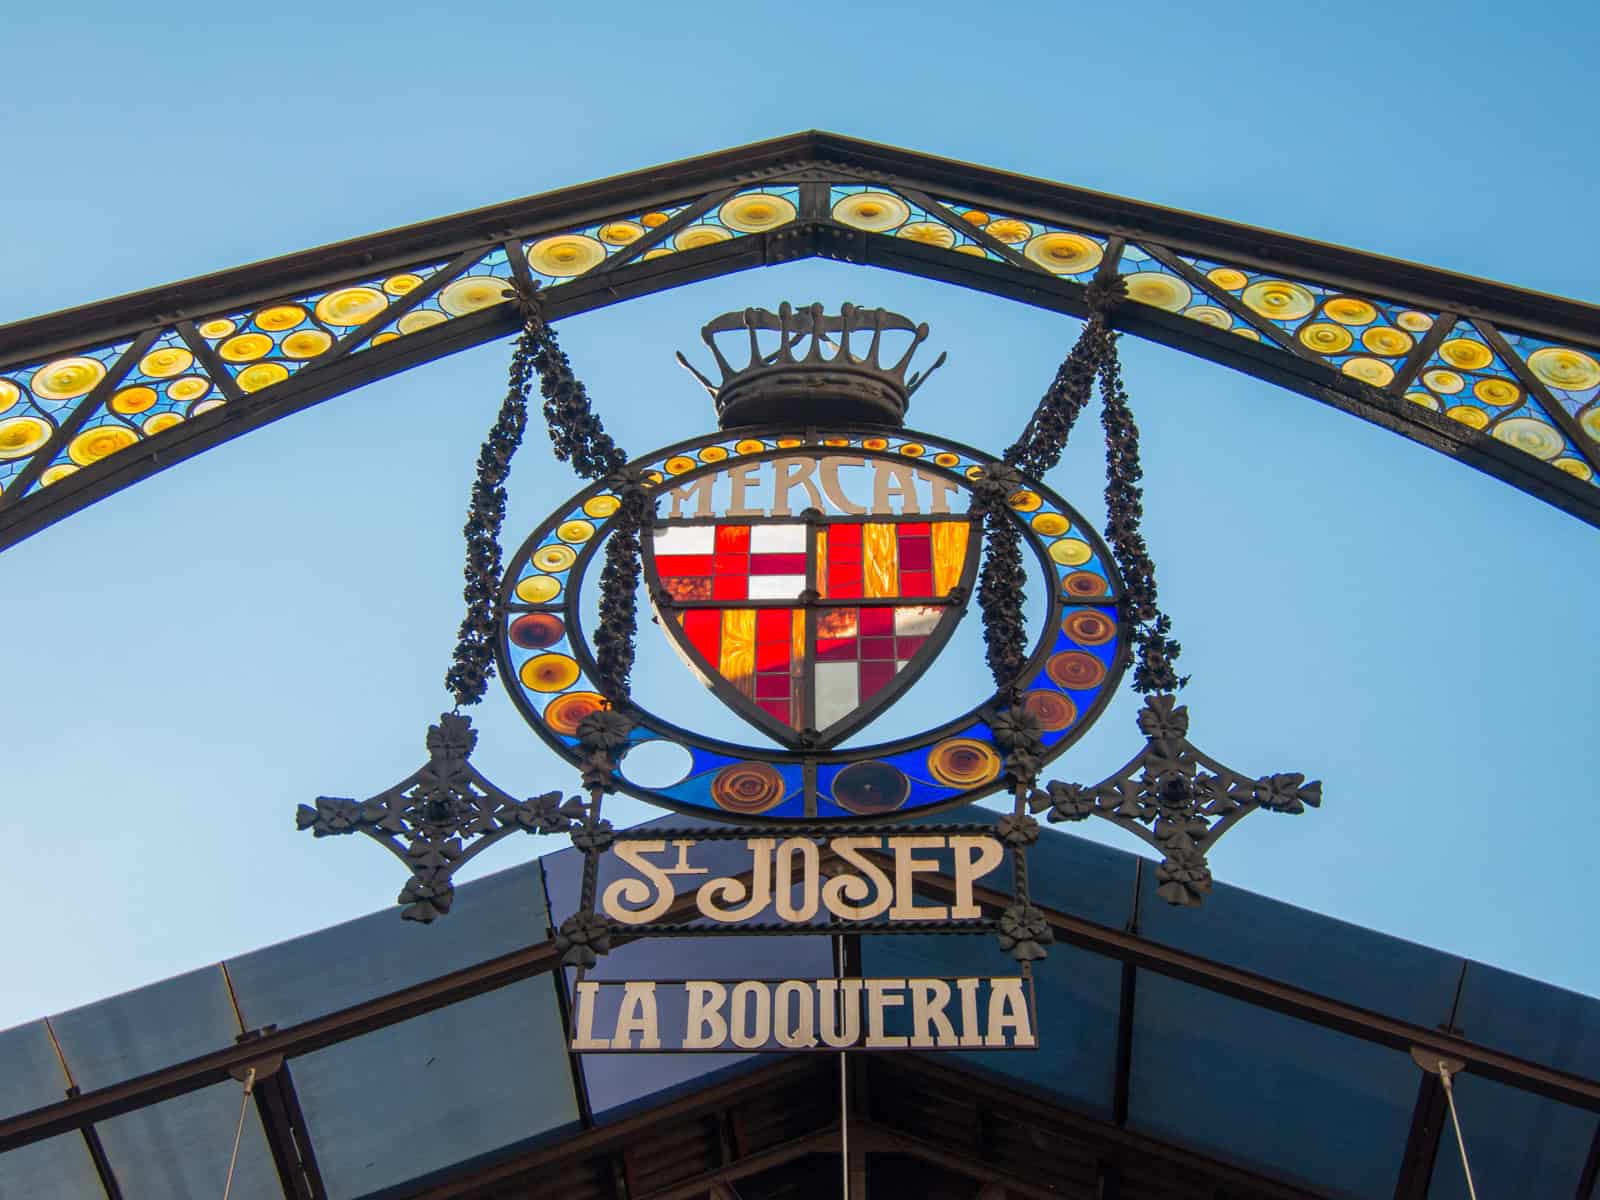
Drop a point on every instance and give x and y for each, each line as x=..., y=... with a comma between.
x=439, y=817
x=1177, y=798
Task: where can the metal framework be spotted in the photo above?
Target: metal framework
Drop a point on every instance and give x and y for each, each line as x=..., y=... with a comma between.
x=101, y=396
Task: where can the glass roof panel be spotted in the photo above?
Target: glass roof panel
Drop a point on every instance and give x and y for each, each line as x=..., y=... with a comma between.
x=31, y=1076
x=179, y=1149
x=479, y=1078
x=1518, y=1144
x=1266, y=1091
x=1356, y=965
x=1530, y=1019
x=297, y=980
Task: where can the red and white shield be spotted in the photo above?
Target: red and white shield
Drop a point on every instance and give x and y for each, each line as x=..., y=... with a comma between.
x=811, y=625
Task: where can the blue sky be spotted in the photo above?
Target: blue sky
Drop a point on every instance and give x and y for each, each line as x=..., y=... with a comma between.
x=186, y=663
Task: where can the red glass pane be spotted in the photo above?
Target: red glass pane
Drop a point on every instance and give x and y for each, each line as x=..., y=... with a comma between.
x=772, y=656
x=772, y=687
x=731, y=564
x=733, y=539
x=844, y=535
x=844, y=584
x=776, y=708
x=877, y=622
x=704, y=631
x=907, y=647
x=875, y=676
x=777, y=564
x=730, y=587
x=683, y=564
x=915, y=529
x=916, y=553
x=916, y=583
x=877, y=648
x=773, y=624
x=836, y=649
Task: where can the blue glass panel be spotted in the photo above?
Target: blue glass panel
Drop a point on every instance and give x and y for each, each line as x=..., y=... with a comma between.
x=297, y=980
x=487, y=1076
x=30, y=1077
x=1360, y=966
x=1530, y=1019
x=179, y=1148
x=1266, y=1091
x=1518, y=1144
x=1076, y=1000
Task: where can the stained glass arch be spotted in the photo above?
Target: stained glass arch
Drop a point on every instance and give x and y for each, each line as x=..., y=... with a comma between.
x=95, y=398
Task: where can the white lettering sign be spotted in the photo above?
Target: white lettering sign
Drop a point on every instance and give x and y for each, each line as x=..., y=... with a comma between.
x=992, y=1013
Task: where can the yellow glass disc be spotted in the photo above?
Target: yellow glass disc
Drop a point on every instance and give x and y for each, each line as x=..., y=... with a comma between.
x=1426, y=399
x=756, y=212
x=835, y=441
x=1414, y=322
x=1529, y=435
x=549, y=672
x=620, y=233
x=652, y=477
x=1279, y=299
x=161, y=421
x=383, y=339
x=678, y=464
x=554, y=558
x=261, y=375
x=1227, y=278
x=191, y=387
x=1347, y=310
x=1568, y=370
x=351, y=306
x=1390, y=343
x=963, y=762
x=1009, y=230
x=974, y=472
x=946, y=459
x=92, y=445
x=10, y=393
x=972, y=250
x=1158, y=290
x=1574, y=466
x=788, y=443
x=131, y=400
x=246, y=347
x=1065, y=253
x=21, y=436
x=1467, y=415
x=974, y=216
x=695, y=236
x=307, y=343
x=1246, y=332
x=221, y=327
x=1465, y=354
x=713, y=454
x=418, y=318
x=654, y=220
x=929, y=233
x=913, y=450
x=538, y=589
x=1024, y=501
x=56, y=473
x=749, y=446
x=1210, y=314
x=399, y=285
x=467, y=295
x=1369, y=370
x=1446, y=383
x=1589, y=422
x=206, y=406
x=565, y=255
x=575, y=531
x=1499, y=392
x=874, y=443
x=1325, y=338
x=602, y=506
x=1071, y=552
x=166, y=362
x=1049, y=524
x=280, y=317
x=67, y=378
x=658, y=252
x=876, y=212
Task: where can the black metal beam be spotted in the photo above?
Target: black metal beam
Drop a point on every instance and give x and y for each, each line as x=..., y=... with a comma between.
x=284, y=1125
x=1591, y=1169
x=1422, y=1142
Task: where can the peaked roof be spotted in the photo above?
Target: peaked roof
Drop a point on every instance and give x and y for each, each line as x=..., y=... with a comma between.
x=95, y=398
